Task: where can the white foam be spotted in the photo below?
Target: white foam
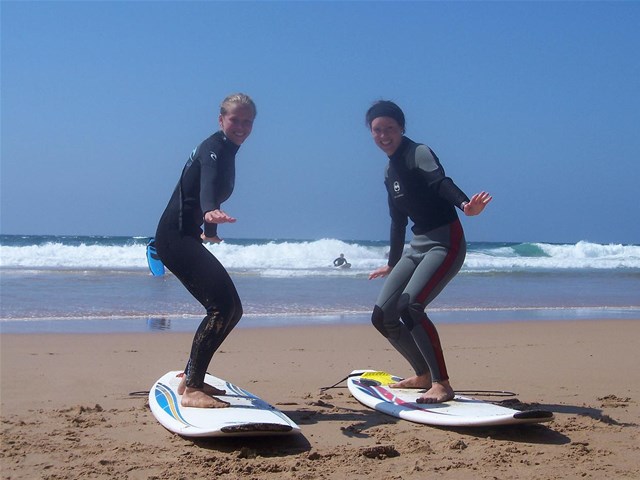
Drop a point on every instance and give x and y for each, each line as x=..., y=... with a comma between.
x=309, y=258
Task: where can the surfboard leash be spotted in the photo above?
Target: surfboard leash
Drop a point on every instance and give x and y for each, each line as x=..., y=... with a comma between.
x=486, y=393
x=335, y=385
x=140, y=393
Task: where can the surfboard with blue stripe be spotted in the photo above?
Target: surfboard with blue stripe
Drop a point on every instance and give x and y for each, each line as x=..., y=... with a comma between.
x=247, y=414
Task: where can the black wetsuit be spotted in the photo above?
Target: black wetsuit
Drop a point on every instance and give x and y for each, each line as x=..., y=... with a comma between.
x=207, y=180
x=418, y=189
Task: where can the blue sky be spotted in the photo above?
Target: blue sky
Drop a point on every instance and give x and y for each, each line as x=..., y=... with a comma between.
x=537, y=103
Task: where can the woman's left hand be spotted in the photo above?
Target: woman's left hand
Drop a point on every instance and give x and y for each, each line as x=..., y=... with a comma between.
x=206, y=239
x=477, y=203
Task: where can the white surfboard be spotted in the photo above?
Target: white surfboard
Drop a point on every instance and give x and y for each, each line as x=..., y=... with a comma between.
x=247, y=414
x=344, y=266
x=371, y=388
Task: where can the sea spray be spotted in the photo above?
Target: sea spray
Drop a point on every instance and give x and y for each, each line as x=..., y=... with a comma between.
x=297, y=258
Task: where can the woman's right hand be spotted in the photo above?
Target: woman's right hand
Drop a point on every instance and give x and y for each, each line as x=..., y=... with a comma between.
x=218, y=216
x=380, y=272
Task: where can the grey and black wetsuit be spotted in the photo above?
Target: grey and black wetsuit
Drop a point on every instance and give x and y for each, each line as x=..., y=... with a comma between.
x=418, y=189
x=207, y=180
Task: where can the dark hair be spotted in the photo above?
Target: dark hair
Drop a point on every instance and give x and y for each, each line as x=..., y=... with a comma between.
x=385, y=108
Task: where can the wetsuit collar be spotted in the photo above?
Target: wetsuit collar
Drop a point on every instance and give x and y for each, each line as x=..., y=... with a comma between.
x=229, y=145
x=399, y=153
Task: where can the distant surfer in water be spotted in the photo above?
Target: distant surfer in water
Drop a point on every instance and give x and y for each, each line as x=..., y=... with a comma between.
x=207, y=180
x=418, y=189
x=340, y=261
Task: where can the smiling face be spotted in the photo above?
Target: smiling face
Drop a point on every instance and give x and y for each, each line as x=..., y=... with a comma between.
x=237, y=122
x=387, y=133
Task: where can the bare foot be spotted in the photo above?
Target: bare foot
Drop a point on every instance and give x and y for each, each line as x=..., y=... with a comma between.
x=438, y=393
x=417, y=381
x=208, y=389
x=194, y=397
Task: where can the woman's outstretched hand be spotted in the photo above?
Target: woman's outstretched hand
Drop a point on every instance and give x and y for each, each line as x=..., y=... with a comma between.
x=380, y=272
x=477, y=203
x=218, y=216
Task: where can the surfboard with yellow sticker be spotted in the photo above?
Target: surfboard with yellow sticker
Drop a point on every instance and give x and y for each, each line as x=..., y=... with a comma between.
x=372, y=389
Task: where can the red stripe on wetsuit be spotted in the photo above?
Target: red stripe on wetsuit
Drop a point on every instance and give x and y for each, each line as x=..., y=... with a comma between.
x=455, y=236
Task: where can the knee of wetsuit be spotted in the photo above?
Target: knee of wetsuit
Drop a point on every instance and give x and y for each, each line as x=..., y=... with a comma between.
x=377, y=319
x=225, y=307
x=409, y=312
x=235, y=309
x=235, y=313
x=238, y=312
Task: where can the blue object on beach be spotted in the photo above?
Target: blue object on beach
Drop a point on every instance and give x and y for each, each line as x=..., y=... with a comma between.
x=155, y=264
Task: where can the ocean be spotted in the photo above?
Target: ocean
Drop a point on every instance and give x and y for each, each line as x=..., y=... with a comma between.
x=103, y=284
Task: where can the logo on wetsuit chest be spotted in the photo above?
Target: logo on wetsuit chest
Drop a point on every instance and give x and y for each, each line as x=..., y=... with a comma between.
x=397, y=190
x=394, y=185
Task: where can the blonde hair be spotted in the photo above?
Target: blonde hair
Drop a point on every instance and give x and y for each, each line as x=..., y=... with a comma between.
x=239, y=99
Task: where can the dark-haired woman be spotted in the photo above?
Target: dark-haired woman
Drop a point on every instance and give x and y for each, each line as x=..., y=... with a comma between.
x=418, y=189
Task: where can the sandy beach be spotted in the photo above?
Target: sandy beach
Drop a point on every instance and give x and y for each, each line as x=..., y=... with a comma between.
x=67, y=411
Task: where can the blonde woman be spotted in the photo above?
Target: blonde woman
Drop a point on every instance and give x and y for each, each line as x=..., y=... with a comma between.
x=207, y=180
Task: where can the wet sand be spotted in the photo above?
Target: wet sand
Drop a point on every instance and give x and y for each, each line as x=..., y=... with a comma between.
x=67, y=411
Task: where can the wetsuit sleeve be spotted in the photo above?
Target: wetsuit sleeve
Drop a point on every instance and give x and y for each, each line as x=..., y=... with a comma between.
x=210, y=229
x=429, y=167
x=397, y=234
x=208, y=176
